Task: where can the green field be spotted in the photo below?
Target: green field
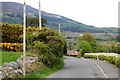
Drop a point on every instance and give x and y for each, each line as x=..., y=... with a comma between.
x=6, y=56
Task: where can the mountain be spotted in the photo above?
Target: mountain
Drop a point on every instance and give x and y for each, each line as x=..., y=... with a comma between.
x=12, y=12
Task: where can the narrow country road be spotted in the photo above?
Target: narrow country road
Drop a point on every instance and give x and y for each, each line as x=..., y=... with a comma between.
x=86, y=68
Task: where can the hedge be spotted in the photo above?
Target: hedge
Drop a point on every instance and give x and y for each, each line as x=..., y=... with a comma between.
x=111, y=59
x=48, y=45
x=90, y=56
x=13, y=33
x=11, y=46
x=101, y=57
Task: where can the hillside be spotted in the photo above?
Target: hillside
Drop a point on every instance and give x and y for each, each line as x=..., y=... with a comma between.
x=13, y=13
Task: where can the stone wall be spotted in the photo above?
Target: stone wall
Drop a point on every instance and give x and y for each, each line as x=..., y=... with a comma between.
x=14, y=69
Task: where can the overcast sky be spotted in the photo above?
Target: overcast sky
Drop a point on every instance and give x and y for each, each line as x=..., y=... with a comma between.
x=99, y=13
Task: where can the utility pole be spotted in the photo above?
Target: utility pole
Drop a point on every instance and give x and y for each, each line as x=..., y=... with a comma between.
x=39, y=15
x=59, y=28
x=24, y=38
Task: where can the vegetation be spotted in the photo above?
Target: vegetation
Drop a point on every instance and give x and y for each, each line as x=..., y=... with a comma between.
x=111, y=59
x=9, y=56
x=87, y=43
x=16, y=47
x=12, y=33
x=85, y=47
x=48, y=45
x=33, y=21
x=108, y=47
x=69, y=45
x=90, y=56
x=101, y=57
x=46, y=71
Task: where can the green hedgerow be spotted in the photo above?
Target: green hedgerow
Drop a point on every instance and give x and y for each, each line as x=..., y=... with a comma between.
x=117, y=62
x=101, y=57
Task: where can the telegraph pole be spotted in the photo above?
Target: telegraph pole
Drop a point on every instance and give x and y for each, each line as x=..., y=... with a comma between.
x=59, y=28
x=39, y=15
x=24, y=38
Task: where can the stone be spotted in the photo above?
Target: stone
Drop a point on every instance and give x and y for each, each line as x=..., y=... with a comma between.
x=20, y=62
x=0, y=68
x=14, y=65
x=14, y=69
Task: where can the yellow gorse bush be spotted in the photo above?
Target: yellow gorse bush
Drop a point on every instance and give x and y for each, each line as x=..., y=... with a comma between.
x=11, y=46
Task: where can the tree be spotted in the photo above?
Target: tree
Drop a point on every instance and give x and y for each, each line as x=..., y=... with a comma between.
x=35, y=22
x=118, y=49
x=90, y=39
x=103, y=47
x=113, y=46
x=69, y=45
x=65, y=47
x=85, y=47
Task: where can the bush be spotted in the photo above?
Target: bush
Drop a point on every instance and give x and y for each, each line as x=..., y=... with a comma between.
x=101, y=57
x=85, y=47
x=12, y=33
x=111, y=59
x=57, y=45
x=90, y=56
x=44, y=53
x=11, y=46
x=117, y=63
x=91, y=43
x=49, y=46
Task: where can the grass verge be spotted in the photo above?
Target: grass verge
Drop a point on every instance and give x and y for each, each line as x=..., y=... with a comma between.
x=45, y=72
x=7, y=56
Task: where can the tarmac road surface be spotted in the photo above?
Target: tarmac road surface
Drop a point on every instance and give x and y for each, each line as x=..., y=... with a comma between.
x=86, y=68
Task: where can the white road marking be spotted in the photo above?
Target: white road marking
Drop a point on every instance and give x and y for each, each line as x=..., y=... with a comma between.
x=101, y=69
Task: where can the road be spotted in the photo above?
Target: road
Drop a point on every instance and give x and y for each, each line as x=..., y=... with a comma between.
x=86, y=68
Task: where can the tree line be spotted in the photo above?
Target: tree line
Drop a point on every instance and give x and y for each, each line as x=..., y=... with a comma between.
x=88, y=44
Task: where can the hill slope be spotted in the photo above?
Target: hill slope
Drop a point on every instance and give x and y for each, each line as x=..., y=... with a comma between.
x=13, y=13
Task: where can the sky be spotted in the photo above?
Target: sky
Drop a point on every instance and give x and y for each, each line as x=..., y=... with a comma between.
x=98, y=13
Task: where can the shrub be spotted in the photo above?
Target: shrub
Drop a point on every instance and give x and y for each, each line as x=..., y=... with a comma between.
x=11, y=46
x=90, y=56
x=117, y=63
x=49, y=46
x=44, y=53
x=91, y=43
x=101, y=57
x=57, y=45
x=85, y=47
x=111, y=59
x=12, y=33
